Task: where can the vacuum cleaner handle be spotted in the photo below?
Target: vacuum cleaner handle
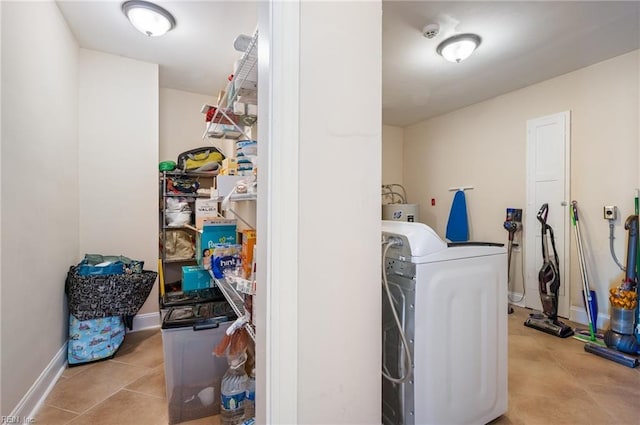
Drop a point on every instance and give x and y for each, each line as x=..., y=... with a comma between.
x=542, y=218
x=542, y=214
x=553, y=245
x=631, y=224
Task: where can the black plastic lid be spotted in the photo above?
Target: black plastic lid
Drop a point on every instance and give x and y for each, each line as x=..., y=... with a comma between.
x=173, y=299
x=197, y=314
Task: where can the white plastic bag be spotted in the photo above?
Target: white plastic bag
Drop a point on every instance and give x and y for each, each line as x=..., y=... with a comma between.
x=177, y=213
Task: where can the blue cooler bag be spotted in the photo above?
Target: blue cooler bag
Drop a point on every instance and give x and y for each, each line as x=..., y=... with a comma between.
x=94, y=339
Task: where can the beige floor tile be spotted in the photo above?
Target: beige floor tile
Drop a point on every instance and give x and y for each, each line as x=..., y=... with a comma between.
x=590, y=370
x=527, y=348
x=509, y=418
x=135, y=339
x=540, y=378
x=551, y=381
x=126, y=408
x=53, y=416
x=141, y=350
x=555, y=344
x=74, y=370
x=621, y=403
x=570, y=409
x=84, y=390
x=518, y=328
x=152, y=383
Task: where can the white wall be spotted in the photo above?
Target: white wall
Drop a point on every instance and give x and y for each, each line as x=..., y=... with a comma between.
x=339, y=313
x=118, y=171
x=484, y=145
x=39, y=190
x=392, y=154
x=1, y=410
x=181, y=123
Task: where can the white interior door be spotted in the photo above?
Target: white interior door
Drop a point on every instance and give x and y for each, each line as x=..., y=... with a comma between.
x=548, y=163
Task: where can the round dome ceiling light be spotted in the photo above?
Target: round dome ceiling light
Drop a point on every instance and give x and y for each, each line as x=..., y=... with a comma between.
x=458, y=47
x=148, y=18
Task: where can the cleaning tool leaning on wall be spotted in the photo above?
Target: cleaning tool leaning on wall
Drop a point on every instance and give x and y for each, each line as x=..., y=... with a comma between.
x=588, y=295
x=620, y=339
x=549, y=285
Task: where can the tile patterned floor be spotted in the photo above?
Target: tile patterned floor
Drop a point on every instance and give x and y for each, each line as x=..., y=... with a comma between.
x=554, y=381
x=127, y=390
x=551, y=381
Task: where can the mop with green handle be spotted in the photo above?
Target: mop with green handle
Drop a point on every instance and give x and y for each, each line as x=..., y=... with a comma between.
x=589, y=296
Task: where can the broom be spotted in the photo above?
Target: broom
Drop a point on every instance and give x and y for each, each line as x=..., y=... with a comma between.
x=589, y=296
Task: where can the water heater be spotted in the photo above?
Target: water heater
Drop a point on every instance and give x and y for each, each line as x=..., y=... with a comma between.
x=400, y=212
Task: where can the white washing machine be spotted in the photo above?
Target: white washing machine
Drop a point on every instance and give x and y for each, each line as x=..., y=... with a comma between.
x=451, y=302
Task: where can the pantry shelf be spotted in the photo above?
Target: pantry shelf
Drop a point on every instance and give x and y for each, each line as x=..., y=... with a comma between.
x=180, y=260
x=225, y=122
x=243, y=197
x=187, y=195
x=236, y=301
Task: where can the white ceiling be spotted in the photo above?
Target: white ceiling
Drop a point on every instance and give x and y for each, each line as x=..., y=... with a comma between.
x=522, y=43
x=196, y=56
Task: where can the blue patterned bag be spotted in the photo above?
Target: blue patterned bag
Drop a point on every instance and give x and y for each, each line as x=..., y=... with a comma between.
x=95, y=339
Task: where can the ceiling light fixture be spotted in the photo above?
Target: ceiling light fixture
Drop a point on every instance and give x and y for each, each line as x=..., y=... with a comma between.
x=148, y=18
x=458, y=47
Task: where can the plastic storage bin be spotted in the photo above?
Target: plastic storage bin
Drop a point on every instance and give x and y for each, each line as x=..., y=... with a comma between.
x=189, y=334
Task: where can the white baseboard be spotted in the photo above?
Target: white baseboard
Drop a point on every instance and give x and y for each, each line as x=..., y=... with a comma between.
x=579, y=315
x=145, y=321
x=33, y=399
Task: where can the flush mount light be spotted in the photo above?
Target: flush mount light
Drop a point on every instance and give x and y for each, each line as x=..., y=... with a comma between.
x=458, y=47
x=148, y=18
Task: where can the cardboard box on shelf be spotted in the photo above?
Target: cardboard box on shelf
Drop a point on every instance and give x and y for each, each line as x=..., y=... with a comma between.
x=229, y=167
x=195, y=277
x=206, y=209
x=218, y=231
x=246, y=254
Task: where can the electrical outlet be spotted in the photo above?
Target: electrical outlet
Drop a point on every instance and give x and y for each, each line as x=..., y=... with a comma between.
x=609, y=212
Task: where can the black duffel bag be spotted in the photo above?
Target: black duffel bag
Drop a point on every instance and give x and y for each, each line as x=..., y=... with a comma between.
x=96, y=296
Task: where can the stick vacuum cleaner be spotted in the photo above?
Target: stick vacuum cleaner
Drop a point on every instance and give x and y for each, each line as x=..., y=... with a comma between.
x=512, y=224
x=549, y=285
x=622, y=344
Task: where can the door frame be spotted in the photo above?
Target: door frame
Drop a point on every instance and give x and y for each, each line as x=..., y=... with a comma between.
x=276, y=305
